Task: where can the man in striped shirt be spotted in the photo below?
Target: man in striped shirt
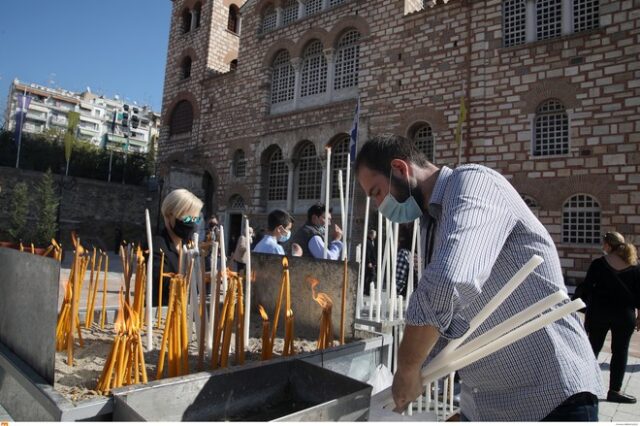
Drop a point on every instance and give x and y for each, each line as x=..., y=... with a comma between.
x=477, y=233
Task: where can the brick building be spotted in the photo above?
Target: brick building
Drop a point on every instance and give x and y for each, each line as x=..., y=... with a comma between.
x=552, y=90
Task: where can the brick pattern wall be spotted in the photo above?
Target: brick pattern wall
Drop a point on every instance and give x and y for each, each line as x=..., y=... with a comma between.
x=416, y=67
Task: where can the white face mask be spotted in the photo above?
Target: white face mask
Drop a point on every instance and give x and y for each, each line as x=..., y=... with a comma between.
x=398, y=212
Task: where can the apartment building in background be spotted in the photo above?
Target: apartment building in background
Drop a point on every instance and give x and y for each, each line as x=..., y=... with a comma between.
x=106, y=123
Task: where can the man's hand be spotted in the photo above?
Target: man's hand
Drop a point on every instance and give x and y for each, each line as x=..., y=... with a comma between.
x=337, y=233
x=407, y=386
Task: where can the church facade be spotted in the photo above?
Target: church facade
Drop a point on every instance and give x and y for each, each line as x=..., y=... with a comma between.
x=256, y=91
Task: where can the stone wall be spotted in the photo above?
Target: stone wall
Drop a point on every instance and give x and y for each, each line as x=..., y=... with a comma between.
x=415, y=68
x=306, y=311
x=102, y=213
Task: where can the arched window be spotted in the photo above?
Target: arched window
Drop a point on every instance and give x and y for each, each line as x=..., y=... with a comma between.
x=181, y=119
x=309, y=173
x=314, y=70
x=339, y=152
x=581, y=220
x=278, y=177
x=269, y=19
x=551, y=129
x=186, y=21
x=232, y=23
x=548, y=19
x=335, y=2
x=283, y=78
x=514, y=21
x=233, y=65
x=239, y=165
x=312, y=6
x=347, y=61
x=289, y=11
x=236, y=202
x=586, y=14
x=197, y=14
x=185, y=68
x=424, y=140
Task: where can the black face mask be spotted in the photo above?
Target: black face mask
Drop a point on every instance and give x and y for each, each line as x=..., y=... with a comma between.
x=184, y=230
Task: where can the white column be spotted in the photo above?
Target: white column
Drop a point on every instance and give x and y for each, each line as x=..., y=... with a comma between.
x=530, y=21
x=279, y=17
x=296, y=64
x=291, y=168
x=567, y=17
x=300, y=9
x=329, y=54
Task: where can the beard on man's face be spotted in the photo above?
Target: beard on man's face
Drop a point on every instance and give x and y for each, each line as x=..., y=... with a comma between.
x=399, y=188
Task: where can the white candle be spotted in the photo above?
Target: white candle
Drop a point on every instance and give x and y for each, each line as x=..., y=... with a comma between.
x=372, y=299
x=436, y=398
x=247, y=293
x=490, y=307
x=327, y=202
x=386, y=272
x=214, y=296
x=363, y=254
x=400, y=308
x=451, y=386
x=420, y=404
x=513, y=336
x=223, y=262
x=428, y=391
x=445, y=394
x=149, y=281
x=379, y=270
x=412, y=256
x=394, y=265
x=347, y=193
x=194, y=284
x=342, y=214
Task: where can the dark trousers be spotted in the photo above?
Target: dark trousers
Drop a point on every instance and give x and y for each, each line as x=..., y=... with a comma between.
x=581, y=407
x=621, y=325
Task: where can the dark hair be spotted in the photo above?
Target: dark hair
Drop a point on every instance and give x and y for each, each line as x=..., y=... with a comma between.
x=377, y=153
x=316, y=210
x=277, y=218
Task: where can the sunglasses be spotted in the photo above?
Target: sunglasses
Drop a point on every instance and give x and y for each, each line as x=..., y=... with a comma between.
x=191, y=219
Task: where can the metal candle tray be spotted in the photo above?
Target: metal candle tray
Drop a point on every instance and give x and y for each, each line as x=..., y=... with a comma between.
x=281, y=390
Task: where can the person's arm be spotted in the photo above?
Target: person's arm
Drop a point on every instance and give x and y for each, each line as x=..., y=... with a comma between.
x=316, y=247
x=414, y=349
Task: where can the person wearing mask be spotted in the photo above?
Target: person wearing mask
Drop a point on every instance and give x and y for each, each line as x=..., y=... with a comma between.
x=311, y=236
x=279, y=225
x=611, y=291
x=478, y=233
x=181, y=213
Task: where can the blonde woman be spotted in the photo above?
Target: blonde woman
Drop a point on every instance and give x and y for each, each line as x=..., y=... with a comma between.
x=181, y=212
x=612, y=292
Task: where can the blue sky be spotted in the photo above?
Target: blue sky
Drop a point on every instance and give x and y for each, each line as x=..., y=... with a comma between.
x=112, y=46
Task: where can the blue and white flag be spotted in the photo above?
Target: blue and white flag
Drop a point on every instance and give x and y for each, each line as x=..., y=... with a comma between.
x=354, y=132
x=21, y=114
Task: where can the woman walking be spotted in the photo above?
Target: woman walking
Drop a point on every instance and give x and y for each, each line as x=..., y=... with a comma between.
x=611, y=290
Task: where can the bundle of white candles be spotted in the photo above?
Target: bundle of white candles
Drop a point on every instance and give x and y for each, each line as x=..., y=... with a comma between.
x=456, y=356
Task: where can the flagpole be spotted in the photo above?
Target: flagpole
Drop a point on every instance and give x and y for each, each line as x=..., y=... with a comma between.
x=23, y=117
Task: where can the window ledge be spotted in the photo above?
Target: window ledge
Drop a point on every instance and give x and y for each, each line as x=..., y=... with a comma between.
x=310, y=103
x=538, y=43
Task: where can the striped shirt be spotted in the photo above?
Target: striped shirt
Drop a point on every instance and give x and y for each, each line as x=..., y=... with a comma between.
x=484, y=233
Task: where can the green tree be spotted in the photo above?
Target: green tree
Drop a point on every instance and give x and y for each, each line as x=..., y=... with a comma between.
x=48, y=203
x=69, y=137
x=19, y=209
x=151, y=157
